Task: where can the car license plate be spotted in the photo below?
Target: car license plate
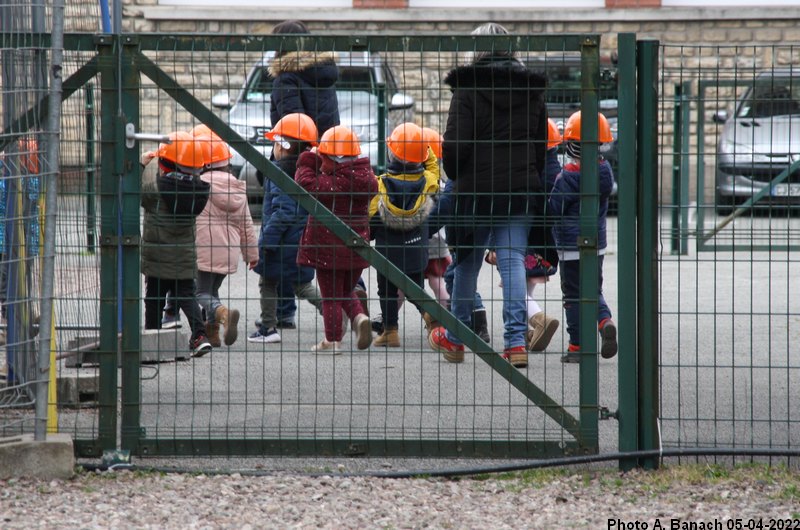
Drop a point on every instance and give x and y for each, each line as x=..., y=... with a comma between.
x=786, y=190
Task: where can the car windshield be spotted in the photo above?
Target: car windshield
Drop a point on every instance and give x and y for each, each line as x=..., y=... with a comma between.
x=775, y=96
x=351, y=79
x=564, y=79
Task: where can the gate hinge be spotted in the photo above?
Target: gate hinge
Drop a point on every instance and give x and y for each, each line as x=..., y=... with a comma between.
x=606, y=414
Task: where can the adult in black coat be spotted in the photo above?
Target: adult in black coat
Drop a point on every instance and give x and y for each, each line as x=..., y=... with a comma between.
x=304, y=82
x=494, y=149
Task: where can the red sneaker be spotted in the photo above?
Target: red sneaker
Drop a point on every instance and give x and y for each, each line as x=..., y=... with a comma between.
x=453, y=353
x=517, y=356
x=573, y=355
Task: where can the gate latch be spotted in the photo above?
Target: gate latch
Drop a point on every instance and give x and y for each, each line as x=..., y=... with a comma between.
x=131, y=136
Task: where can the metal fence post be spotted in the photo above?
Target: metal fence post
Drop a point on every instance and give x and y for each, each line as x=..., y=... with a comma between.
x=107, y=353
x=91, y=207
x=647, y=244
x=628, y=392
x=52, y=135
x=680, y=170
x=130, y=295
x=588, y=242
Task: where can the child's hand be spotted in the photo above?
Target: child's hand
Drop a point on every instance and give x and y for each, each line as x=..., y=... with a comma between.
x=252, y=264
x=147, y=157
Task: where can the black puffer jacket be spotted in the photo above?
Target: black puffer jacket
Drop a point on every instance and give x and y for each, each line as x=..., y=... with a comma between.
x=496, y=133
x=305, y=82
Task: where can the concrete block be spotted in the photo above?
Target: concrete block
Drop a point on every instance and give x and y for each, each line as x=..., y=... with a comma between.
x=81, y=351
x=77, y=390
x=156, y=346
x=162, y=345
x=21, y=456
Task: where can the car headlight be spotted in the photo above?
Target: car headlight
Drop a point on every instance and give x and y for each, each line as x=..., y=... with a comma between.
x=366, y=133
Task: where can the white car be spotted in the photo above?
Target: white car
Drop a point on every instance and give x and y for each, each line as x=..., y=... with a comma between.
x=361, y=76
x=760, y=141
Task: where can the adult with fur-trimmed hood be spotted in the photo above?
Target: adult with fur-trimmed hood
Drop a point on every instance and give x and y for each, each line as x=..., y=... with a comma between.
x=494, y=150
x=305, y=82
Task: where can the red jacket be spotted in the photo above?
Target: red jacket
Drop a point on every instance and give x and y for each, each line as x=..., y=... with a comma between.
x=346, y=190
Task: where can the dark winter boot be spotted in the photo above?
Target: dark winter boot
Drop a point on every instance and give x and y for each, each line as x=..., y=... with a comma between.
x=480, y=326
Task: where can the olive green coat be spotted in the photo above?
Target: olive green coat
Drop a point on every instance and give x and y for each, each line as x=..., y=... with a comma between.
x=168, y=241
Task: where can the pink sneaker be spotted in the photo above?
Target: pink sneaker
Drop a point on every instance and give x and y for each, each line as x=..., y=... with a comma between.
x=324, y=347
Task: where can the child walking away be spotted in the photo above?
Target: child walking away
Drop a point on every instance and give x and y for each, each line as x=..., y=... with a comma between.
x=541, y=260
x=400, y=218
x=224, y=231
x=282, y=224
x=438, y=253
x=345, y=184
x=565, y=205
x=171, y=203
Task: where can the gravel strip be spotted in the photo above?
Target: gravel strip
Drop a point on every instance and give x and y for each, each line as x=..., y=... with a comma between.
x=543, y=499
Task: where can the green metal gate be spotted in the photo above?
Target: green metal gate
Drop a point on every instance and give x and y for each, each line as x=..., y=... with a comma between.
x=254, y=401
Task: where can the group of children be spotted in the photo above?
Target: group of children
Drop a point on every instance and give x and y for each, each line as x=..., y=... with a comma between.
x=393, y=209
x=196, y=223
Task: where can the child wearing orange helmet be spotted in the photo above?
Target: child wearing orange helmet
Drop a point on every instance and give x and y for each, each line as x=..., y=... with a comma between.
x=400, y=214
x=438, y=253
x=343, y=181
x=564, y=204
x=224, y=231
x=171, y=203
x=282, y=224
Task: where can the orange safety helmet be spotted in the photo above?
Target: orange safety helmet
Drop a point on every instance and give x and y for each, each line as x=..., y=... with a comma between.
x=339, y=141
x=185, y=151
x=434, y=140
x=553, y=136
x=219, y=151
x=408, y=143
x=203, y=130
x=297, y=126
x=572, y=130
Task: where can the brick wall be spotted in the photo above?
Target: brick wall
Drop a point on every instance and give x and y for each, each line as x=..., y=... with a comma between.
x=696, y=42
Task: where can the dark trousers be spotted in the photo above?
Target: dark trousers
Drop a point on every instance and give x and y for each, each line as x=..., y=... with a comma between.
x=388, y=293
x=156, y=290
x=336, y=287
x=570, y=288
x=287, y=308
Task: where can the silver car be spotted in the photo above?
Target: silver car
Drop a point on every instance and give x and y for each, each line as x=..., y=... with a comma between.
x=360, y=76
x=760, y=141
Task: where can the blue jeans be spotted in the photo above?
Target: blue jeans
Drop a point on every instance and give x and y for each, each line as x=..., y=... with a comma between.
x=571, y=289
x=509, y=239
x=449, y=274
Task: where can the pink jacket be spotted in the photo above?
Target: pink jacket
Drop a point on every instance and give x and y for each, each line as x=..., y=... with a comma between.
x=225, y=228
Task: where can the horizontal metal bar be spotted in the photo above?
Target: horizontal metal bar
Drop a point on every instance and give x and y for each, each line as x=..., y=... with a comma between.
x=255, y=43
x=359, y=447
